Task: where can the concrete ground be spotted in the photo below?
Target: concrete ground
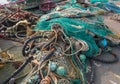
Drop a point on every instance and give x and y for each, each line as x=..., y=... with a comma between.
x=113, y=25
x=108, y=73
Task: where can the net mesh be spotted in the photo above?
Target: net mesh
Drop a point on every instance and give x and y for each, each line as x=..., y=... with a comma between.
x=76, y=27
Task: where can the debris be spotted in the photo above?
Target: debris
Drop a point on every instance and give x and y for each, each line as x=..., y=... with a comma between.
x=62, y=44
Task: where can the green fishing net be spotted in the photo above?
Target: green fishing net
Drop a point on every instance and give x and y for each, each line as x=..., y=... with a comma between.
x=94, y=1
x=75, y=26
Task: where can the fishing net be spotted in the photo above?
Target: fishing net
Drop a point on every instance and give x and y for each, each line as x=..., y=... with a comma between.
x=70, y=19
x=94, y=1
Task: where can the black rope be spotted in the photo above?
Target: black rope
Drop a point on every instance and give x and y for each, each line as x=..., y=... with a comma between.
x=18, y=70
x=28, y=41
x=116, y=59
x=46, y=57
x=92, y=74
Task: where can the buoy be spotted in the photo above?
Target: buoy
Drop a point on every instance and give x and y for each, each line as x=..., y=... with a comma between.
x=82, y=57
x=53, y=66
x=61, y=70
x=102, y=43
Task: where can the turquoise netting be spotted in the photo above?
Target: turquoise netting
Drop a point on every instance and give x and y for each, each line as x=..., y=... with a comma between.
x=76, y=27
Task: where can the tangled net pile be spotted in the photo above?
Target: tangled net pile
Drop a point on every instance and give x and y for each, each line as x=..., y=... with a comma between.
x=70, y=38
